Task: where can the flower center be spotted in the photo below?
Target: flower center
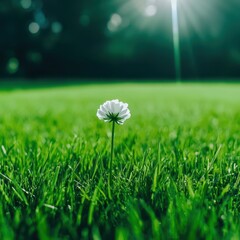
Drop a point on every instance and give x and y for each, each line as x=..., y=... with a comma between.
x=113, y=117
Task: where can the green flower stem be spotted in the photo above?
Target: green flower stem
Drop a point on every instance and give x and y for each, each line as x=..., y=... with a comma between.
x=111, y=161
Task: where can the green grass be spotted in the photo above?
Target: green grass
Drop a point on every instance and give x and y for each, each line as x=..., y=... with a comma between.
x=176, y=165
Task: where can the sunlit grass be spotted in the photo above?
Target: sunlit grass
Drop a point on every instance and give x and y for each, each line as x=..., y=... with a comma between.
x=175, y=171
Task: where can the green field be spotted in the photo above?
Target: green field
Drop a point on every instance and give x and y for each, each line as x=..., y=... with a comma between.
x=175, y=172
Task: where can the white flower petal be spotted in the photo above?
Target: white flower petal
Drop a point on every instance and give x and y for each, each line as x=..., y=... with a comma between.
x=117, y=108
x=104, y=109
x=108, y=106
x=123, y=112
x=113, y=107
x=100, y=113
x=126, y=116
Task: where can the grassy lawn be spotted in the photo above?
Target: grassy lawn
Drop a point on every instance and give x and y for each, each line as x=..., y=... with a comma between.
x=175, y=172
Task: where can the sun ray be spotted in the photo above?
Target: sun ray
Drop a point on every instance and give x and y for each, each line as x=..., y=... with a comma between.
x=176, y=46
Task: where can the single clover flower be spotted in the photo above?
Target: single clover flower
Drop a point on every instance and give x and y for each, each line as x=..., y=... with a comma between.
x=114, y=111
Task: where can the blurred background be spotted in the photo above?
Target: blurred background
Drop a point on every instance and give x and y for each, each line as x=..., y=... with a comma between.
x=132, y=39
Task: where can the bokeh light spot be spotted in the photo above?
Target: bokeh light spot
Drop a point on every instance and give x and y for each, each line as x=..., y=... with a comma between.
x=26, y=4
x=114, y=22
x=34, y=57
x=150, y=10
x=56, y=27
x=12, y=65
x=33, y=27
x=40, y=19
x=84, y=20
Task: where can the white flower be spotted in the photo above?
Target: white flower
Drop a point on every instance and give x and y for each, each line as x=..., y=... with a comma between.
x=114, y=111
